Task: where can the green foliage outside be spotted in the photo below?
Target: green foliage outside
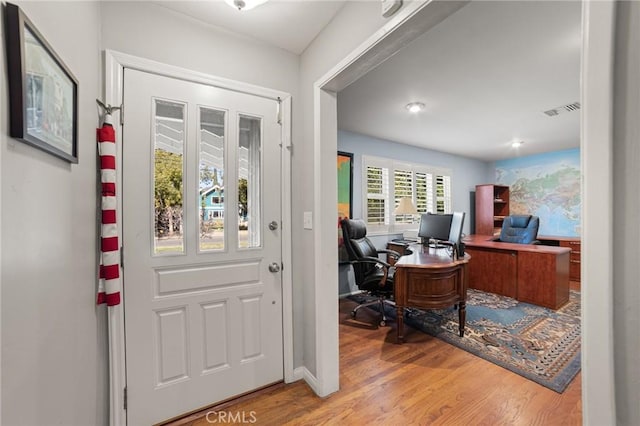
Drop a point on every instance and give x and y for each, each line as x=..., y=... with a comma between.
x=168, y=192
x=243, y=207
x=168, y=202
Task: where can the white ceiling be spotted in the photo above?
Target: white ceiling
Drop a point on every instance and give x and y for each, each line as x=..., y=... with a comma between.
x=289, y=24
x=486, y=74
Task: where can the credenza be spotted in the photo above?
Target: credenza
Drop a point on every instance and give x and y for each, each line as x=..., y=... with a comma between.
x=531, y=273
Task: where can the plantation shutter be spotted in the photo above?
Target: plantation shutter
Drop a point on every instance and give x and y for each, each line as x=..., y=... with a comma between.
x=443, y=194
x=377, y=195
x=422, y=194
x=403, y=187
x=386, y=181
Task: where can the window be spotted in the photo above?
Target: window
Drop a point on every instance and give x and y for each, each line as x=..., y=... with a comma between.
x=211, y=158
x=168, y=176
x=387, y=181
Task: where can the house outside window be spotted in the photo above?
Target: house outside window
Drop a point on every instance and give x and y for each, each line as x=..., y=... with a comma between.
x=386, y=181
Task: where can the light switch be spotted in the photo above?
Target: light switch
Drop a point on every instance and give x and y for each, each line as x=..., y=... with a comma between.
x=308, y=220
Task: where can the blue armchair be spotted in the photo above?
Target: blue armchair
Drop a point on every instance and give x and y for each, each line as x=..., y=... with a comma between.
x=520, y=229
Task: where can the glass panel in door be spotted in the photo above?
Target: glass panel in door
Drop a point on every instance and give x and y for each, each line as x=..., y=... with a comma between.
x=249, y=172
x=211, y=137
x=168, y=176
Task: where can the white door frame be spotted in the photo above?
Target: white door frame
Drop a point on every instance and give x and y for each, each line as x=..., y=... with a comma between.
x=115, y=63
x=598, y=386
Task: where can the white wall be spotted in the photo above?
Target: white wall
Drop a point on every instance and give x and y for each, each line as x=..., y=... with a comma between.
x=626, y=197
x=355, y=22
x=54, y=355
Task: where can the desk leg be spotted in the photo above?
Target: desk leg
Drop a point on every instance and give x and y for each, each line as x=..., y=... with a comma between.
x=462, y=316
x=400, y=324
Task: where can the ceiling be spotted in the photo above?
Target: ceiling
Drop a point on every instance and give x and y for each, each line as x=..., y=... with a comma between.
x=486, y=74
x=289, y=24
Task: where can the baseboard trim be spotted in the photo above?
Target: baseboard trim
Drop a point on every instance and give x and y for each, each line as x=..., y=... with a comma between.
x=298, y=374
x=311, y=380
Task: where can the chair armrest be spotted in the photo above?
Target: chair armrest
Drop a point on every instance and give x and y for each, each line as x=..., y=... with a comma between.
x=375, y=260
x=393, y=253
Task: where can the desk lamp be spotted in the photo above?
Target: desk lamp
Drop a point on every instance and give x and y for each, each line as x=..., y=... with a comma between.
x=406, y=207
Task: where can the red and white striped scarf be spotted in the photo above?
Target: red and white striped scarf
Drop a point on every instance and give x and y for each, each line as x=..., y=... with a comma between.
x=109, y=281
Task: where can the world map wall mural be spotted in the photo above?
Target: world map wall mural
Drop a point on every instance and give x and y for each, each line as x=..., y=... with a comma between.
x=545, y=185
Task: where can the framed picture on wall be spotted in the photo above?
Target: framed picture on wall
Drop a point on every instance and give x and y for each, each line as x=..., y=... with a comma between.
x=43, y=93
x=345, y=197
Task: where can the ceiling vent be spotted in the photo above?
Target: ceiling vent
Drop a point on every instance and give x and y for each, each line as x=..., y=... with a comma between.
x=565, y=108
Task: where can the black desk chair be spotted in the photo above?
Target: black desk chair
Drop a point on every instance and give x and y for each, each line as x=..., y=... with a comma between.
x=373, y=275
x=520, y=229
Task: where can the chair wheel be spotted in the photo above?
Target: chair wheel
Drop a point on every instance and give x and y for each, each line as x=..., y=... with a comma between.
x=383, y=323
x=353, y=314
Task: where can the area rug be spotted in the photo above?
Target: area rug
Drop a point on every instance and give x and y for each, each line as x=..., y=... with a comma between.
x=540, y=344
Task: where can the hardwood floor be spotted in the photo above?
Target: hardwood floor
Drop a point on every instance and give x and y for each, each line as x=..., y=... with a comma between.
x=423, y=382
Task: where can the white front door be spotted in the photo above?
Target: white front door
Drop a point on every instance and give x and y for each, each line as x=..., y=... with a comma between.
x=202, y=245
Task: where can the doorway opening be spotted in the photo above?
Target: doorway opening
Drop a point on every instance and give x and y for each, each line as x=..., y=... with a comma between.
x=598, y=23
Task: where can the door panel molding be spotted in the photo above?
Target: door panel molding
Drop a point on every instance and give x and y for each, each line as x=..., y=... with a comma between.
x=115, y=63
x=168, y=283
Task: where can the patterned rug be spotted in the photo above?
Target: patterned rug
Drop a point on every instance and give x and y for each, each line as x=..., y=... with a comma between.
x=540, y=344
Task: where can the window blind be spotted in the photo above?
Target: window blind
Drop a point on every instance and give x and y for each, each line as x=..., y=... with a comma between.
x=386, y=181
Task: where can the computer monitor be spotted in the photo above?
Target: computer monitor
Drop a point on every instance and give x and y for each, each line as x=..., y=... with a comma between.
x=435, y=226
x=455, y=232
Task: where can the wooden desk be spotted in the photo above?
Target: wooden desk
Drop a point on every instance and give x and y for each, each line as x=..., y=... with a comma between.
x=428, y=278
x=401, y=248
x=574, y=258
x=529, y=273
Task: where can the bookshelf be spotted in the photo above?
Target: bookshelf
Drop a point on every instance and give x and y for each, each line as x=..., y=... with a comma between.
x=492, y=206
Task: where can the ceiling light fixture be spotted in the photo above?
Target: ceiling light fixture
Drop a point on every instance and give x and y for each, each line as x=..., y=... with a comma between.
x=517, y=144
x=244, y=4
x=415, y=107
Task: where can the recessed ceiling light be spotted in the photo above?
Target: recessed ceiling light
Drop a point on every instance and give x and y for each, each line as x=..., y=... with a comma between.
x=244, y=4
x=517, y=144
x=415, y=107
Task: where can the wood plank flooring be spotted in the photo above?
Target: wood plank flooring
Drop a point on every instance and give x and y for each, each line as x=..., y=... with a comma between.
x=422, y=382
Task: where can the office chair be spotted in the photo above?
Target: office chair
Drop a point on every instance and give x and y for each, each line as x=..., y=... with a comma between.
x=520, y=229
x=373, y=275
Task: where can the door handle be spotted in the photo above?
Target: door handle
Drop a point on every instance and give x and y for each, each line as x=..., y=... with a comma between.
x=274, y=267
x=273, y=225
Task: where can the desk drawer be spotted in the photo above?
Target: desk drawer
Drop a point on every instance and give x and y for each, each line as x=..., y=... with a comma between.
x=431, y=288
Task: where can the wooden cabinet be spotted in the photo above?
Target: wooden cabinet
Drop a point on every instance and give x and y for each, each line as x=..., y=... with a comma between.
x=574, y=259
x=574, y=244
x=492, y=206
x=543, y=278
